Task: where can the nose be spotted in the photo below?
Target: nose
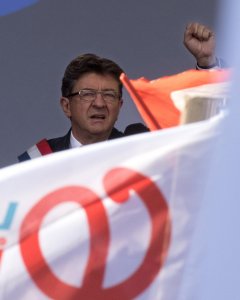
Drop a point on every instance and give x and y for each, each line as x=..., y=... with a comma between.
x=99, y=100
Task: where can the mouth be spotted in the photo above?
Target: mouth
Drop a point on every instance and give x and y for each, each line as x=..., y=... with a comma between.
x=98, y=117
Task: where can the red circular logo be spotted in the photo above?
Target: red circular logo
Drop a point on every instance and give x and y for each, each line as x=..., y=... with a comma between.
x=117, y=183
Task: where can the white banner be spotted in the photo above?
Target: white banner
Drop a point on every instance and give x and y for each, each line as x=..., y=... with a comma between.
x=113, y=220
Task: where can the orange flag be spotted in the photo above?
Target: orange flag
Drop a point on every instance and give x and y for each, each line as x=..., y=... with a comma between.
x=153, y=98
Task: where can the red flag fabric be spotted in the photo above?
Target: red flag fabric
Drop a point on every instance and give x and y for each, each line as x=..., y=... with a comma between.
x=153, y=98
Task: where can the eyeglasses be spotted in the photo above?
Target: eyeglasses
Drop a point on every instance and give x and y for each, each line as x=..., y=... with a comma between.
x=89, y=95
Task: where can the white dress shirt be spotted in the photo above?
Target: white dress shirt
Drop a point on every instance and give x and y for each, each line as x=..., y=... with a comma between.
x=74, y=143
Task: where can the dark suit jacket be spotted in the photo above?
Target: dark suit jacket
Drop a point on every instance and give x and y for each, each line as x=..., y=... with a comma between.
x=63, y=142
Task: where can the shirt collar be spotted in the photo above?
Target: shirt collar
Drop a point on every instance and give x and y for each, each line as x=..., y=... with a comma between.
x=74, y=143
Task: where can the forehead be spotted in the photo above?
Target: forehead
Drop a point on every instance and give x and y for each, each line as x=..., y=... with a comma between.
x=96, y=81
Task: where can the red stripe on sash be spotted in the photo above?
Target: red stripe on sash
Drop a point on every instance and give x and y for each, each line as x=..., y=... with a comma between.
x=43, y=147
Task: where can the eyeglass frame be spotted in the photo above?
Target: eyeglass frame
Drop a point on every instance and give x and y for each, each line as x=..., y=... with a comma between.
x=96, y=92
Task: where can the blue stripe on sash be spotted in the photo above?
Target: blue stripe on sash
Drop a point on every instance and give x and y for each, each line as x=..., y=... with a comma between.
x=24, y=156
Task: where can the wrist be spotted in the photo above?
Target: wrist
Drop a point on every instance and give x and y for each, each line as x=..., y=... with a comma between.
x=210, y=64
x=206, y=61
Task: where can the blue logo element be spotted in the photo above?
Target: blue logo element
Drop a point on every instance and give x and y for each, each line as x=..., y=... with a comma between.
x=9, y=216
x=10, y=6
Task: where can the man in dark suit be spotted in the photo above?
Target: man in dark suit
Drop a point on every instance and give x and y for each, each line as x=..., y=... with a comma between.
x=92, y=95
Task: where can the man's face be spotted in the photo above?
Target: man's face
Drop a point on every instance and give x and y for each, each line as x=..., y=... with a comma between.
x=92, y=120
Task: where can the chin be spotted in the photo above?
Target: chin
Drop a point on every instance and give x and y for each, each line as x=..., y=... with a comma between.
x=98, y=128
x=99, y=131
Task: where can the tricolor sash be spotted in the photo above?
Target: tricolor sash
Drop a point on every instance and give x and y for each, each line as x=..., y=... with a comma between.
x=37, y=150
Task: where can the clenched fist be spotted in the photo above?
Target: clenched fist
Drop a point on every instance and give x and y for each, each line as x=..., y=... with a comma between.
x=200, y=41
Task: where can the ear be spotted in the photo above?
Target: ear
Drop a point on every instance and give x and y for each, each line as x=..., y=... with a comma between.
x=65, y=104
x=120, y=103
